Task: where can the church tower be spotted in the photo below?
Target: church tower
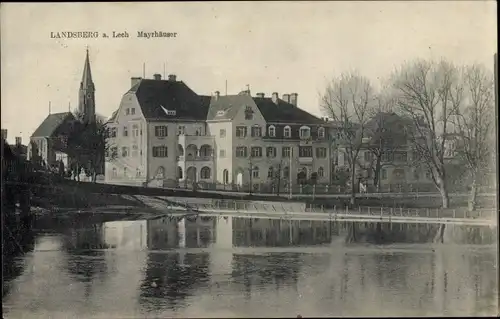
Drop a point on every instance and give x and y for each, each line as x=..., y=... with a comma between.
x=86, y=101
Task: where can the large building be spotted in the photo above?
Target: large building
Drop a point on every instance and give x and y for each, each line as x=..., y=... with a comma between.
x=49, y=139
x=164, y=134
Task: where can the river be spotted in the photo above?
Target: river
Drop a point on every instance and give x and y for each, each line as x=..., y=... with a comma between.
x=216, y=267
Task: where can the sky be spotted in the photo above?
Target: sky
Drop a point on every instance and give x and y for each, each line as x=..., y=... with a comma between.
x=279, y=47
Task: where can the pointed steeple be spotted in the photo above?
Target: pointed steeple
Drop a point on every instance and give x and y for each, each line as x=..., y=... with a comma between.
x=87, y=74
x=86, y=101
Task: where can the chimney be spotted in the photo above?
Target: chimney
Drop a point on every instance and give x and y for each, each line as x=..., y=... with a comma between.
x=157, y=77
x=286, y=98
x=275, y=97
x=293, y=99
x=19, y=140
x=4, y=134
x=217, y=94
x=134, y=81
x=172, y=77
x=261, y=95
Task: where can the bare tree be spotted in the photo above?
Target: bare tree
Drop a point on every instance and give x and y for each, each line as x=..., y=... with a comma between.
x=474, y=123
x=347, y=100
x=425, y=93
x=88, y=146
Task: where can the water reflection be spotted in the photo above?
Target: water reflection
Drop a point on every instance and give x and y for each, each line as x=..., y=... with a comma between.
x=226, y=267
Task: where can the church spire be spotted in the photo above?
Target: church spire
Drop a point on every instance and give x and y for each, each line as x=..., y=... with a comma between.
x=87, y=74
x=86, y=102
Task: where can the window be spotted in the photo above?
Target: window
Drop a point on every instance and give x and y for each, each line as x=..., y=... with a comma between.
x=270, y=172
x=287, y=131
x=132, y=111
x=125, y=172
x=225, y=176
x=205, y=172
x=368, y=156
x=428, y=174
x=160, y=151
x=321, y=172
x=113, y=132
x=125, y=131
x=161, y=131
x=305, y=151
x=256, y=151
x=256, y=131
x=179, y=172
x=114, y=152
x=271, y=151
x=285, y=151
x=321, y=132
x=321, y=152
x=127, y=111
x=400, y=156
x=387, y=157
x=286, y=172
x=135, y=150
x=241, y=151
x=135, y=130
x=248, y=113
x=222, y=153
x=383, y=174
x=114, y=172
x=181, y=130
x=272, y=131
x=222, y=132
x=241, y=131
x=137, y=171
x=255, y=172
x=124, y=151
x=305, y=132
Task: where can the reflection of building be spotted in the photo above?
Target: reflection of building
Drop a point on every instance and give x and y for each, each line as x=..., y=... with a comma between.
x=131, y=234
x=164, y=133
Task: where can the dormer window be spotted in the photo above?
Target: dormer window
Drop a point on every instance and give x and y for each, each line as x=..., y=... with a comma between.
x=287, y=132
x=321, y=132
x=305, y=132
x=272, y=131
x=221, y=113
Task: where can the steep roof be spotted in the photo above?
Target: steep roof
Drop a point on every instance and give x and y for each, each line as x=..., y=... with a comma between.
x=226, y=107
x=87, y=74
x=156, y=96
x=283, y=112
x=52, y=123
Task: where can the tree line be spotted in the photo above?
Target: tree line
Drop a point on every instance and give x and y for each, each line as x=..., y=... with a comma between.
x=435, y=104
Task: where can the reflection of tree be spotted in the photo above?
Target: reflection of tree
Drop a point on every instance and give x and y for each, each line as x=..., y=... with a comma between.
x=167, y=279
x=281, y=269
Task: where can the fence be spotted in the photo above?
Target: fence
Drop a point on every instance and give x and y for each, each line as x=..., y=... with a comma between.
x=369, y=211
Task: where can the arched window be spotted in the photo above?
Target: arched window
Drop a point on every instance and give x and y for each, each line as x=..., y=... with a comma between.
x=160, y=173
x=180, y=150
x=125, y=172
x=287, y=131
x=179, y=172
x=137, y=172
x=272, y=131
x=270, y=172
x=205, y=172
x=305, y=132
x=225, y=176
x=321, y=172
x=321, y=132
x=255, y=172
x=114, y=172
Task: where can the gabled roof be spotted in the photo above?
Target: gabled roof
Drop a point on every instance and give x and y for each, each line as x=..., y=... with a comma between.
x=226, y=107
x=52, y=123
x=283, y=112
x=156, y=95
